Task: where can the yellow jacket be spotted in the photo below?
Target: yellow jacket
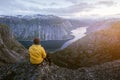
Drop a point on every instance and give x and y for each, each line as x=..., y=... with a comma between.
x=37, y=54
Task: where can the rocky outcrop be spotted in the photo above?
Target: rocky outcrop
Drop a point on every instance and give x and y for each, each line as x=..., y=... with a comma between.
x=26, y=71
x=95, y=48
x=10, y=50
x=46, y=27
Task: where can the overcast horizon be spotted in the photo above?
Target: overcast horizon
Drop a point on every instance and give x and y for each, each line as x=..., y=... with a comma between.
x=62, y=8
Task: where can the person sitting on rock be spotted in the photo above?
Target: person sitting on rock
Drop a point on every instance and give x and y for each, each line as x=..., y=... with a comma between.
x=37, y=52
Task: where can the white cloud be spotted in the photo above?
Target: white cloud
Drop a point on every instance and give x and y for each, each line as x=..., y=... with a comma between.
x=65, y=8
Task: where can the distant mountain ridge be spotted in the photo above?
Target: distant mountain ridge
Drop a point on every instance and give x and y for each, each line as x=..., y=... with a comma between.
x=102, y=24
x=46, y=27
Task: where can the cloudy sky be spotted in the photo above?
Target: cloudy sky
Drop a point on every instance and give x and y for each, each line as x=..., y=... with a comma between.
x=63, y=8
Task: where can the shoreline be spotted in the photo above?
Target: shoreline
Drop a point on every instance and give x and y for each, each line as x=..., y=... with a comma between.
x=78, y=33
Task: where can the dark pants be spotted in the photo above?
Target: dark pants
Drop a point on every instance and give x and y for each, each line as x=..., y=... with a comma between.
x=48, y=59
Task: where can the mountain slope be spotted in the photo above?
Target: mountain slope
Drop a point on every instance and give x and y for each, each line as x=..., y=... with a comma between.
x=47, y=27
x=95, y=48
x=102, y=24
x=10, y=50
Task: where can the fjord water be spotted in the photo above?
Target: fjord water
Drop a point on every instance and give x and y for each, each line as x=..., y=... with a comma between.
x=78, y=34
x=49, y=45
x=53, y=45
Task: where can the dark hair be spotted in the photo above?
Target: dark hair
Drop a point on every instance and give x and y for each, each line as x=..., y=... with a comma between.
x=36, y=41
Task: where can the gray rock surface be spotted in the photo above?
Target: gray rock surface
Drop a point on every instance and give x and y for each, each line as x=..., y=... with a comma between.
x=26, y=71
x=10, y=50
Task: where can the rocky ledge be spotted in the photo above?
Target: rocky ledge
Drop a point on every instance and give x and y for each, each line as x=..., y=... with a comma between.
x=10, y=50
x=26, y=71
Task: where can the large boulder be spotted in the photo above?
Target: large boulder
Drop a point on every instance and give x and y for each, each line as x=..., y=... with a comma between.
x=10, y=50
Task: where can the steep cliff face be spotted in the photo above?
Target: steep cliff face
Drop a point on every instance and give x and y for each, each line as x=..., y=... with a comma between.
x=95, y=48
x=10, y=50
x=45, y=27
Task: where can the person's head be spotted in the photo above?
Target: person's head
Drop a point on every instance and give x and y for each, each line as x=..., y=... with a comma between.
x=36, y=41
